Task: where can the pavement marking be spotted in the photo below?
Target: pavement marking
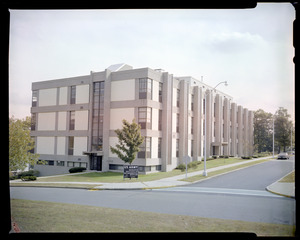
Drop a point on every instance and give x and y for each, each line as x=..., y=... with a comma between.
x=244, y=192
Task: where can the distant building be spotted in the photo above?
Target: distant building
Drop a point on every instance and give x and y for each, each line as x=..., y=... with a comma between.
x=73, y=120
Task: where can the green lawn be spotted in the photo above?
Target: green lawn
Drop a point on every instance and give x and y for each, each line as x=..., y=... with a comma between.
x=39, y=216
x=289, y=178
x=113, y=177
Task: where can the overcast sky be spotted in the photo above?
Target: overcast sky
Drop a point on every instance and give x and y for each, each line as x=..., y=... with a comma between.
x=252, y=49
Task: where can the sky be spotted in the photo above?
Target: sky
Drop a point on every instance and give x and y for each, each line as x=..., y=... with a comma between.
x=251, y=49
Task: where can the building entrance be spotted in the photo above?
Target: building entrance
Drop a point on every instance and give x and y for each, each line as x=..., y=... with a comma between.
x=96, y=163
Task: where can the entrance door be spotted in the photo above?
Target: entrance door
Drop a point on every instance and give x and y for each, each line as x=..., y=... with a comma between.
x=96, y=163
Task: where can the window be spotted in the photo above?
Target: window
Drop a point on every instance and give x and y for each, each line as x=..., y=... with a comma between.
x=145, y=148
x=49, y=162
x=192, y=102
x=159, y=148
x=203, y=106
x=33, y=121
x=177, y=123
x=178, y=97
x=77, y=164
x=145, y=117
x=71, y=146
x=72, y=120
x=160, y=120
x=73, y=95
x=145, y=88
x=160, y=92
x=192, y=125
x=34, y=98
x=192, y=146
x=97, y=120
x=177, y=147
x=60, y=163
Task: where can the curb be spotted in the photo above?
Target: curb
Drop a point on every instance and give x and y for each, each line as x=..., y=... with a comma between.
x=277, y=193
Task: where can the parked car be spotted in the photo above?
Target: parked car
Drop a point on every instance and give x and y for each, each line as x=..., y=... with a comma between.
x=283, y=155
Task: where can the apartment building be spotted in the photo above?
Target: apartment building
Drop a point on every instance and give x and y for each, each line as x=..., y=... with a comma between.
x=73, y=120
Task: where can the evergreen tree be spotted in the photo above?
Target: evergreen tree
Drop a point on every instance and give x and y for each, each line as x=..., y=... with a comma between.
x=129, y=141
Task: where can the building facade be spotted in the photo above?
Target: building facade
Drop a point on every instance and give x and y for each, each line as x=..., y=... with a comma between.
x=73, y=120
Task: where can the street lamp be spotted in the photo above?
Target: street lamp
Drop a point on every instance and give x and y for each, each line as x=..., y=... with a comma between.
x=205, y=120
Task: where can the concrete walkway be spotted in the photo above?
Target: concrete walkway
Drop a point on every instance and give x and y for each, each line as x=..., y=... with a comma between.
x=286, y=189
x=161, y=183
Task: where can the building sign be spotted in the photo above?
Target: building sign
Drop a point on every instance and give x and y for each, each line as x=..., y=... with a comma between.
x=131, y=171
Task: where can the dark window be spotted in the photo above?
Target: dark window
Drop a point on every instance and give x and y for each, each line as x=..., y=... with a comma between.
x=60, y=163
x=192, y=146
x=145, y=88
x=145, y=148
x=177, y=123
x=50, y=162
x=192, y=125
x=160, y=120
x=177, y=147
x=72, y=120
x=192, y=102
x=33, y=121
x=203, y=106
x=34, y=98
x=178, y=97
x=160, y=92
x=71, y=146
x=159, y=148
x=73, y=95
x=97, y=121
x=144, y=115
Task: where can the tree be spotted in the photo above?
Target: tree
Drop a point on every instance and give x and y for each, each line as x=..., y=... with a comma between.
x=20, y=144
x=282, y=127
x=263, y=131
x=129, y=141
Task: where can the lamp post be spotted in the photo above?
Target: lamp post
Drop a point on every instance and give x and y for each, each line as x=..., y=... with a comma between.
x=205, y=124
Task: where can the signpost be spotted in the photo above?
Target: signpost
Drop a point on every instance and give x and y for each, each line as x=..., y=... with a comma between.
x=131, y=171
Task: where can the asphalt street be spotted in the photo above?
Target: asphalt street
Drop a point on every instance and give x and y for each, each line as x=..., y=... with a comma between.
x=224, y=197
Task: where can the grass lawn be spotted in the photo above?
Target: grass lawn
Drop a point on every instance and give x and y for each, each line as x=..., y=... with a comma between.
x=39, y=216
x=114, y=177
x=289, y=178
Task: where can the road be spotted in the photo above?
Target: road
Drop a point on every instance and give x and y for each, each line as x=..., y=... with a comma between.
x=239, y=195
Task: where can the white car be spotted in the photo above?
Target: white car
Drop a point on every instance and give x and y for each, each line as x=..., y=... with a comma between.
x=283, y=155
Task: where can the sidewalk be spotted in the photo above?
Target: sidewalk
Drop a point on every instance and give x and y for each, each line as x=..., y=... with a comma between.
x=161, y=183
x=286, y=189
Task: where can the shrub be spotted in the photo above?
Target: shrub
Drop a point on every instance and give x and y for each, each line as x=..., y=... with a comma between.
x=28, y=178
x=192, y=165
x=246, y=157
x=29, y=173
x=76, y=169
x=13, y=177
x=181, y=167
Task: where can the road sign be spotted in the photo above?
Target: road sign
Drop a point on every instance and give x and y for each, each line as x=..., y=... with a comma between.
x=131, y=171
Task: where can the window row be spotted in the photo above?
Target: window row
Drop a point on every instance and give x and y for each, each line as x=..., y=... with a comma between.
x=61, y=163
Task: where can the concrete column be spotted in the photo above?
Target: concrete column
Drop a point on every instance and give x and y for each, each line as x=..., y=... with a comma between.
x=226, y=128
x=233, y=150
x=245, y=133
x=240, y=131
x=197, y=123
x=166, y=149
x=218, y=124
x=183, y=120
x=106, y=120
x=209, y=122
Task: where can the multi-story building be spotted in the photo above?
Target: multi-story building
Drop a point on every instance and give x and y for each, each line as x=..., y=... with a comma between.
x=73, y=120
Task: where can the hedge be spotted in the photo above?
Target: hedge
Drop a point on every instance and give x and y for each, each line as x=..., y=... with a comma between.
x=76, y=169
